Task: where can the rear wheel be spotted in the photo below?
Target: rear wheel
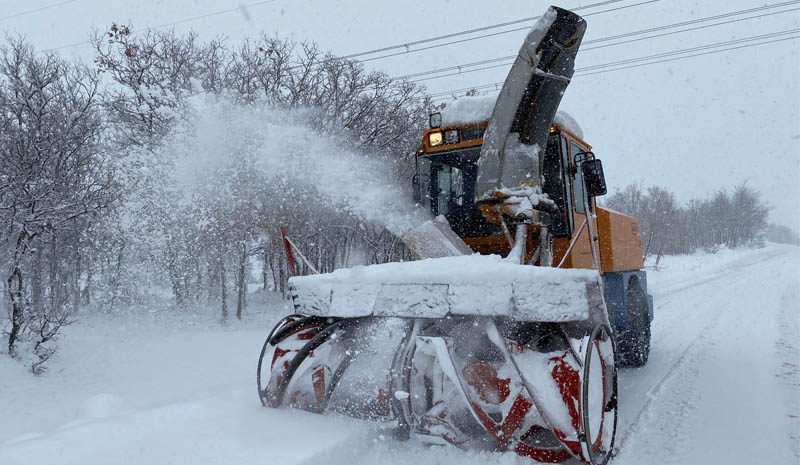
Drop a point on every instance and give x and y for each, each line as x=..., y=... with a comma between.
x=633, y=341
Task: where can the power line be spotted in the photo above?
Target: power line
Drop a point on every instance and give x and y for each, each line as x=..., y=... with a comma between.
x=389, y=55
x=582, y=69
x=460, y=67
x=692, y=55
x=497, y=85
x=694, y=28
x=606, y=2
x=406, y=45
x=578, y=71
x=689, y=50
x=708, y=18
x=160, y=26
x=46, y=7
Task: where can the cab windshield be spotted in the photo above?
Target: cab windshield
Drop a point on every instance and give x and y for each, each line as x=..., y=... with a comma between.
x=449, y=189
x=452, y=192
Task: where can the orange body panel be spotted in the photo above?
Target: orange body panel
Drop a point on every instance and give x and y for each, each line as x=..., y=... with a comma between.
x=488, y=245
x=581, y=254
x=620, y=241
x=498, y=245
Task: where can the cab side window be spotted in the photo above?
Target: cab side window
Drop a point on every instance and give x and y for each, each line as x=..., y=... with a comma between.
x=553, y=184
x=577, y=187
x=565, y=163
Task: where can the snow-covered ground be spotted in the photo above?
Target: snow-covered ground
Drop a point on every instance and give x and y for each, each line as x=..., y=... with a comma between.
x=722, y=386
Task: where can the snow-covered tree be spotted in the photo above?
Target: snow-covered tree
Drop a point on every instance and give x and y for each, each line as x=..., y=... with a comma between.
x=56, y=177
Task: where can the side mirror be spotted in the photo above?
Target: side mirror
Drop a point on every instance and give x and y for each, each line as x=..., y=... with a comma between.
x=415, y=187
x=593, y=178
x=435, y=120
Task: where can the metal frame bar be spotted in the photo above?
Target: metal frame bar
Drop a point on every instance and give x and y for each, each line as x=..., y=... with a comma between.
x=290, y=256
x=497, y=339
x=592, y=237
x=572, y=243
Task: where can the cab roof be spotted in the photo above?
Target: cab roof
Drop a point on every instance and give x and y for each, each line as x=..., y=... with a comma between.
x=477, y=109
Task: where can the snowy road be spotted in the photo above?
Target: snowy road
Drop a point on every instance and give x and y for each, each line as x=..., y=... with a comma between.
x=722, y=386
x=712, y=392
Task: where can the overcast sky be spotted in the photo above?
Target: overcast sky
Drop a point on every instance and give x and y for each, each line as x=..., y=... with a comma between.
x=694, y=125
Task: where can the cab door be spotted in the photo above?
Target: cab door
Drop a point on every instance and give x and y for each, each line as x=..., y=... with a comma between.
x=581, y=255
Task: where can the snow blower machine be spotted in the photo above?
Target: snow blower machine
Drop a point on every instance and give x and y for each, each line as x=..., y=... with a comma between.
x=507, y=332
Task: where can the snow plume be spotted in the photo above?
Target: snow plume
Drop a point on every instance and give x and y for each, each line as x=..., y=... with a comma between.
x=283, y=147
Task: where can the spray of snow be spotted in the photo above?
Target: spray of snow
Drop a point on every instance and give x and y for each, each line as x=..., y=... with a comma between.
x=282, y=145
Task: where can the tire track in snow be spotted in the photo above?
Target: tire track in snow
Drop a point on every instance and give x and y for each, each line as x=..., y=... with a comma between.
x=721, y=273
x=684, y=367
x=692, y=351
x=788, y=352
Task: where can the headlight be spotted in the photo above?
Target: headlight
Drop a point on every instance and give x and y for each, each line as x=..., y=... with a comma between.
x=451, y=136
x=435, y=138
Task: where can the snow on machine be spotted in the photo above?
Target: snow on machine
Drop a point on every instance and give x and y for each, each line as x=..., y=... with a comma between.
x=507, y=333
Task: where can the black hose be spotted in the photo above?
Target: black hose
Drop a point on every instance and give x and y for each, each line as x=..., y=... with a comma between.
x=304, y=352
x=335, y=378
x=279, y=324
x=296, y=325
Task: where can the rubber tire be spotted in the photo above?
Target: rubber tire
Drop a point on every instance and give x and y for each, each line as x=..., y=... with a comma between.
x=633, y=342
